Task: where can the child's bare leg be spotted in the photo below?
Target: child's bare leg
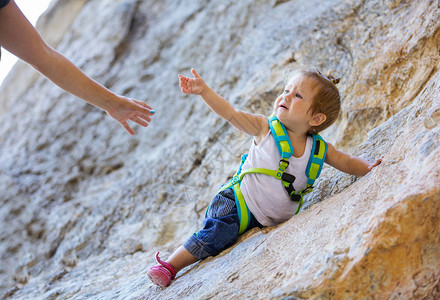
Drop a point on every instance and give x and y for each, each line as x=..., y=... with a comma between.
x=181, y=258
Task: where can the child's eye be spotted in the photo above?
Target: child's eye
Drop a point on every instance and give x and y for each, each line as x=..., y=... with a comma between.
x=298, y=96
x=286, y=91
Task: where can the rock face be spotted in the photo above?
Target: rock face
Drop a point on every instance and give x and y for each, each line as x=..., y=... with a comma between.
x=85, y=206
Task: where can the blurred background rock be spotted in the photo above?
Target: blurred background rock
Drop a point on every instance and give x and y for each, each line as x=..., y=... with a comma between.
x=84, y=206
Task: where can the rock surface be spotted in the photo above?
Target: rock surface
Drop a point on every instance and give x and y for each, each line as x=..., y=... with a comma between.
x=84, y=205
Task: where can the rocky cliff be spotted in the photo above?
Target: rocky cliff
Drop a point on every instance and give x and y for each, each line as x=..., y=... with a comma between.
x=85, y=206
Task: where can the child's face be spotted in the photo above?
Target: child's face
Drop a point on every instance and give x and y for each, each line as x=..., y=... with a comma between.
x=292, y=106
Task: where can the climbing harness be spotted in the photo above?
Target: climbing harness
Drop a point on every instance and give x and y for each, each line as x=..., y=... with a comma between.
x=284, y=145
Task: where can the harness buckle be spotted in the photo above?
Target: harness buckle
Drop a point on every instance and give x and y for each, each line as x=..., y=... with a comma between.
x=307, y=190
x=295, y=197
x=283, y=164
x=288, y=178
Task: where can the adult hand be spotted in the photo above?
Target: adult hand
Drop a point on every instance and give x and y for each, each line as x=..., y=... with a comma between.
x=124, y=109
x=19, y=37
x=194, y=85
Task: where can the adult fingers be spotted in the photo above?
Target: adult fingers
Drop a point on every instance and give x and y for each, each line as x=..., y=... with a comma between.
x=143, y=116
x=143, y=108
x=140, y=121
x=127, y=127
x=142, y=103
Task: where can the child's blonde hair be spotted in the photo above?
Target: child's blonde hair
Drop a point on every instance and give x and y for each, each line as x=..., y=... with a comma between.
x=327, y=99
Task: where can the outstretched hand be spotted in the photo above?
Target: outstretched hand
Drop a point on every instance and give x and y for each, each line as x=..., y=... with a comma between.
x=194, y=85
x=125, y=109
x=19, y=37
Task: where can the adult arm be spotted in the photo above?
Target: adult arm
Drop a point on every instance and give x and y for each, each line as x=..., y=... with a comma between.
x=19, y=37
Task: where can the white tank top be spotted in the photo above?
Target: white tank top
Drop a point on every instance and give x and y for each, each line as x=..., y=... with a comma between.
x=266, y=196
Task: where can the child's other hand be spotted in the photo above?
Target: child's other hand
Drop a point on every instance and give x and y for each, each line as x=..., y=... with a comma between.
x=194, y=85
x=378, y=162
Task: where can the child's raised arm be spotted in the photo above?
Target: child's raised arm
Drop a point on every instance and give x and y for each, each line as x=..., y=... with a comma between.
x=255, y=125
x=348, y=163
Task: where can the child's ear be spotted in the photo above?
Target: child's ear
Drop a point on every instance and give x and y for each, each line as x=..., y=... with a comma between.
x=317, y=119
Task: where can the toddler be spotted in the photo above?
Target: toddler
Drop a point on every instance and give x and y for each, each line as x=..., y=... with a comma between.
x=309, y=104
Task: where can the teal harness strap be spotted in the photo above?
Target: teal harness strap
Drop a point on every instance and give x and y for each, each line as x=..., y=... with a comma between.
x=284, y=145
x=281, y=137
x=317, y=158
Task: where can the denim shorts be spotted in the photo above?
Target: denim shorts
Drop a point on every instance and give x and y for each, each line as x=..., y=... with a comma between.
x=220, y=227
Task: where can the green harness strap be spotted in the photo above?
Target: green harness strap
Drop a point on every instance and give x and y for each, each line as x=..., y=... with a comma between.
x=284, y=145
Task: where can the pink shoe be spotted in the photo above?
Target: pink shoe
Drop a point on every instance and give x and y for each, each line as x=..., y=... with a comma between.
x=162, y=274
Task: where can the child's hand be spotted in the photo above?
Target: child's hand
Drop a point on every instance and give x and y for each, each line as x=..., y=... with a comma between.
x=375, y=164
x=192, y=85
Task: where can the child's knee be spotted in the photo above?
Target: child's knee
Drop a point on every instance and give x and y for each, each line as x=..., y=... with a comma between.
x=221, y=206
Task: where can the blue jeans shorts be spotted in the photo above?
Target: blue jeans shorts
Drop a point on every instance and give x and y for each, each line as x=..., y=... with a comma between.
x=220, y=227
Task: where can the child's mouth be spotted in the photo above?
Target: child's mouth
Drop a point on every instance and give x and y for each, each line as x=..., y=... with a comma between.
x=282, y=106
